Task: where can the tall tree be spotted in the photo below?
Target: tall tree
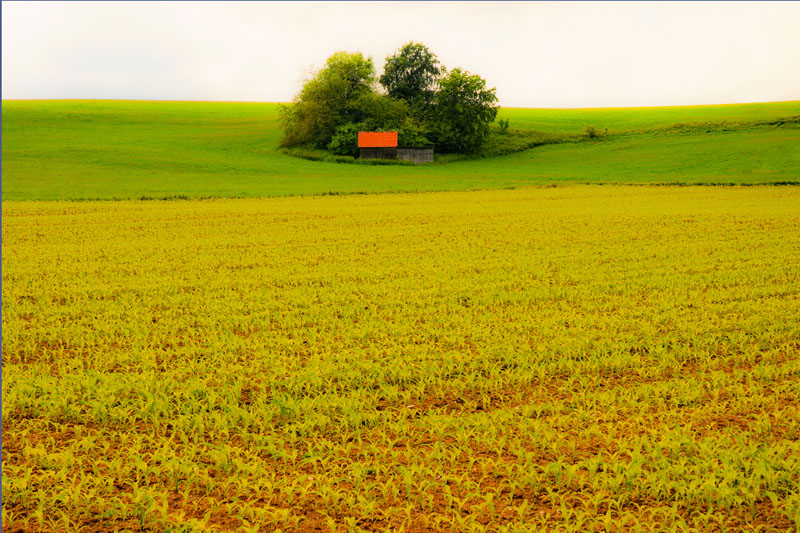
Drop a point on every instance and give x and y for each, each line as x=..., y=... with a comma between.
x=463, y=110
x=328, y=100
x=412, y=74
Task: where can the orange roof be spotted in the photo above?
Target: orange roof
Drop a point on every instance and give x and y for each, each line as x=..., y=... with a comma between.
x=377, y=139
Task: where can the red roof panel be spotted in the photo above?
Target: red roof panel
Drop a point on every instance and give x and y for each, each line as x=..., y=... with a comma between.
x=377, y=139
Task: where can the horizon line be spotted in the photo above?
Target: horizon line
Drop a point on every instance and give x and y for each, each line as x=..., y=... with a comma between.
x=205, y=101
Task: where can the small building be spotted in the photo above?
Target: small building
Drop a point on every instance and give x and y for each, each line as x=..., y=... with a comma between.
x=383, y=145
x=377, y=145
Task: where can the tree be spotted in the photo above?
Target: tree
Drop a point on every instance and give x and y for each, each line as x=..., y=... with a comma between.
x=422, y=104
x=412, y=74
x=463, y=110
x=328, y=100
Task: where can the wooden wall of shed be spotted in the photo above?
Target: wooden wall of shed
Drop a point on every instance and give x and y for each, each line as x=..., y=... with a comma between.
x=377, y=153
x=417, y=155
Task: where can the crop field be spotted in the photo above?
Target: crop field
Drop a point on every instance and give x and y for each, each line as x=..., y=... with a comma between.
x=575, y=358
x=96, y=149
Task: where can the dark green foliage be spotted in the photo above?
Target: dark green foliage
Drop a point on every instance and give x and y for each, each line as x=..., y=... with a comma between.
x=463, y=110
x=377, y=112
x=345, y=140
x=503, y=124
x=451, y=113
x=412, y=134
x=412, y=75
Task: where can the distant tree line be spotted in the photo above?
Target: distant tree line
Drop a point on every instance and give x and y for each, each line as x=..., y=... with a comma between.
x=415, y=96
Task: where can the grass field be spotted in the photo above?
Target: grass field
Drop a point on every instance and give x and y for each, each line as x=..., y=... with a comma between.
x=57, y=150
x=577, y=358
x=625, y=119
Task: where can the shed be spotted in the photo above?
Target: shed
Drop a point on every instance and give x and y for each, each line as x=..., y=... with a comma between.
x=383, y=145
x=377, y=145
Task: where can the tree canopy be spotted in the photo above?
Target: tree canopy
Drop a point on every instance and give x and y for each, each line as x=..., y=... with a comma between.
x=463, y=110
x=412, y=75
x=329, y=99
x=424, y=103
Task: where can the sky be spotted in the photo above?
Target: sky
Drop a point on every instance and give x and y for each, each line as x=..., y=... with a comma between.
x=536, y=54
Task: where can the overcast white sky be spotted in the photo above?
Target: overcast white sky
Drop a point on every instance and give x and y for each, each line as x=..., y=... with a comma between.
x=537, y=54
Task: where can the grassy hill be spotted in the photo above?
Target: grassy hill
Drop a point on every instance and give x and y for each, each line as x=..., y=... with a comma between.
x=624, y=119
x=129, y=149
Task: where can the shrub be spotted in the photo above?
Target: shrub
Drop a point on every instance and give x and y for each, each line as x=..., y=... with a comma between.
x=345, y=140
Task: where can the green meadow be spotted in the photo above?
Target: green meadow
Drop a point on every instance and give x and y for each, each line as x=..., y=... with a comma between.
x=95, y=149
x=626, y=119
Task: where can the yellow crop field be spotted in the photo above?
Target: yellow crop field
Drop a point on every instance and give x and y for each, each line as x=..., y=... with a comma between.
x=581, y=358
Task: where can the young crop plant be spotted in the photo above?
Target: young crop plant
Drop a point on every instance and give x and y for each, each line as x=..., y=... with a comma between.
x=573, y=358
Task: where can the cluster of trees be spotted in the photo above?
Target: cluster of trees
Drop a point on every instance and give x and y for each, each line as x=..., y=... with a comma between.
x=416, y=96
